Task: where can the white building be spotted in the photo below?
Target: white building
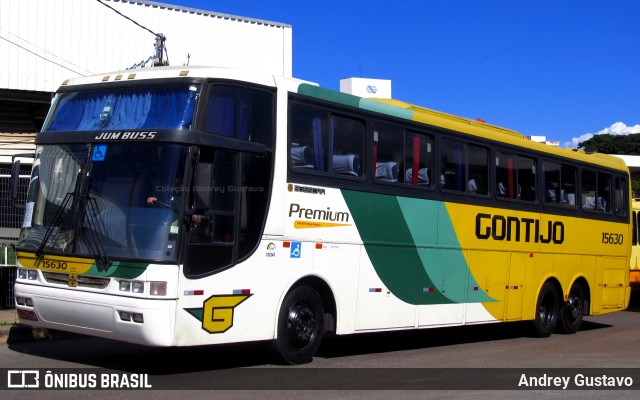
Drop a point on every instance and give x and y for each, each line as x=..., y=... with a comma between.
x=47, y=41
x=44, y=42
x=543, y=139
x=366, y=87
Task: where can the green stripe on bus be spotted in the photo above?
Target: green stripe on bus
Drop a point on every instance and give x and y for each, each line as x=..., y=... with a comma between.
x=329, y=95
x=390, y=247
x=387, y=109
x=400, y=237
x=429, y=224
x=354, y=101
x=119, y=269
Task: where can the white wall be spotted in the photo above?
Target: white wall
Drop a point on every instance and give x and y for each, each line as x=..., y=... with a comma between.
x=43, y=42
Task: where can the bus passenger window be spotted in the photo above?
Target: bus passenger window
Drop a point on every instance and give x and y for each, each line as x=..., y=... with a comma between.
x=325, y=143
x=478, y=164
x=348, y=145
x=308, y=133
x=505, y=176
x=516, y=177
x=388, y=153
x=589, y=188
x=418, y=158
x=619, y=196
x=452, y=166
x=596, y=191
x=398, y=153
x=526, y=179
x=568, y=185
x=240, y=113
x=551, y=176
x=604, y=192
x=559, y=182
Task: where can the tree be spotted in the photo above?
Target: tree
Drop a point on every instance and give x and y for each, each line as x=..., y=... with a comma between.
x=612, y=144
x=615, y=144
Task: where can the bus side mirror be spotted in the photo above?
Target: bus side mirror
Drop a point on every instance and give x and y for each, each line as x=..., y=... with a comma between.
x=203, y=187
x=15, y=179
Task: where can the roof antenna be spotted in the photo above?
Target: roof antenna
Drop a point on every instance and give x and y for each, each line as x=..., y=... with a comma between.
x=161, y=51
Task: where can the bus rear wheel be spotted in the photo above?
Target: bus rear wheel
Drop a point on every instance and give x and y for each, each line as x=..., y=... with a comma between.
x=546, y=317
x=300, y=324
x=572, y=310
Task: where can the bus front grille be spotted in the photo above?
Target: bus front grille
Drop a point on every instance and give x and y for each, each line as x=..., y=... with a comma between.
x=82, y=281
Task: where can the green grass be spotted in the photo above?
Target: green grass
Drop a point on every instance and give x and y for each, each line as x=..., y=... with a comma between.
x=11, y=255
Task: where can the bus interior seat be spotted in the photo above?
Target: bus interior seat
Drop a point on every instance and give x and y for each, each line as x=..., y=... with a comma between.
x=603, y=205
x=529, y=195
x=567, y=197
x=302, y=157
x=346, y=164
x=387, y=171
x=423, y=176
x=502, y=190
x=472, y=186
x=570, y=199
x=589, y=200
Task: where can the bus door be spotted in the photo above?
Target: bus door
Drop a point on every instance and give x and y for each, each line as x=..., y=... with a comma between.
x=227, y=209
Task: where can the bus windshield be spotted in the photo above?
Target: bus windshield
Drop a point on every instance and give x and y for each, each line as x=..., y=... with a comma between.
x=148, y=107
x=107, y=201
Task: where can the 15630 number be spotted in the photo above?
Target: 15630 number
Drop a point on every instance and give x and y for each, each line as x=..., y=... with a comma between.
x=612, y=238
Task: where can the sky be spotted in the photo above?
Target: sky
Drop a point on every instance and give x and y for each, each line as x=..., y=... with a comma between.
x=564, y=69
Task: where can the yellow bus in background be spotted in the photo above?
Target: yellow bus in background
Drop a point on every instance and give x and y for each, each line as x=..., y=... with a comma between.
x=634, y=273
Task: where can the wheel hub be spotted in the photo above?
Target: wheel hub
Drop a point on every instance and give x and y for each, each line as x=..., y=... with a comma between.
x=301, y=324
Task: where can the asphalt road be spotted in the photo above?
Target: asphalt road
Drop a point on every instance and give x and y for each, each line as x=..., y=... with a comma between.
x=486, y=361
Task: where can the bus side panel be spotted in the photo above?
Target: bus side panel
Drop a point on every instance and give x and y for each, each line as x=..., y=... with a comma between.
x=338, y=265
x=612, y=290
x=490, y=269
x=378, y=308
x=514, y=288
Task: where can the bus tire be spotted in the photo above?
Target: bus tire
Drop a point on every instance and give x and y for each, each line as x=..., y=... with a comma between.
x=546, y=317
x=300, y=326
x=572, y=310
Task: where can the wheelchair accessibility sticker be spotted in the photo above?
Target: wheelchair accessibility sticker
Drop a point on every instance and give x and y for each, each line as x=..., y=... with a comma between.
x=99, y=152
x=296, y=249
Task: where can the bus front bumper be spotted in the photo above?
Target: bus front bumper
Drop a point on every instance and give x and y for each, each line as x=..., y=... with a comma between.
x=134, y=320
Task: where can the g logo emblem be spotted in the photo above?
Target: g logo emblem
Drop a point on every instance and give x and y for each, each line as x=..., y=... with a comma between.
x=218, y=312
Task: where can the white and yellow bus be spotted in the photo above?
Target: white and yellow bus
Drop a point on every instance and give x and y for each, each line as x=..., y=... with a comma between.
x=634, y=273
x=196, y=206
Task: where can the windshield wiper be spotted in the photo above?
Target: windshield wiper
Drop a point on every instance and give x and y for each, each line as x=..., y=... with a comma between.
x=61, y=212
x=96, y=227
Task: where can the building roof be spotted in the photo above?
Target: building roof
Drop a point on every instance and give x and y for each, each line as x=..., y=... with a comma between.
x=15, y=143
x=203, y=12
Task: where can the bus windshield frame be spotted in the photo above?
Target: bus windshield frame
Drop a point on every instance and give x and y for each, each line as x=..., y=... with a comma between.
x=106, y=201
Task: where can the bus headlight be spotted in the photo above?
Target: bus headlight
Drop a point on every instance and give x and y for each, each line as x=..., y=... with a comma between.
x=31, y=274
x=125, y=286
x=138, y=287
x=158, y=288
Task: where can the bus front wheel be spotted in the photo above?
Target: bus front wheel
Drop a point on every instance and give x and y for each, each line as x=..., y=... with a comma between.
x=300, y=324
x=546, y=310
